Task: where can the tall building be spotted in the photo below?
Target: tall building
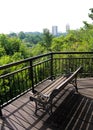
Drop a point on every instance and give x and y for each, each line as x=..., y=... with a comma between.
x=67, y=27
x=55, y=30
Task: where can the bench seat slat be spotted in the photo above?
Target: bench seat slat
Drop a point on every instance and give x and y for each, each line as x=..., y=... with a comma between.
x=48, y=90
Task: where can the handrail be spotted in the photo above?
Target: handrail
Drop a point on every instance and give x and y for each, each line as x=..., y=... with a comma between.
x=22, y=76
x=39, y=56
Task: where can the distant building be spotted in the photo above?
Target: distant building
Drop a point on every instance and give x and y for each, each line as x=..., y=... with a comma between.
x=55, y=30
x=67, y=27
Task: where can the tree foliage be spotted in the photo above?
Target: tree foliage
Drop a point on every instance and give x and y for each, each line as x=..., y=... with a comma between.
x=14, y=46
x=91, y=14
x=47, y=39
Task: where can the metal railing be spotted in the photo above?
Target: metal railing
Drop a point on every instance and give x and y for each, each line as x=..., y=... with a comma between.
x=18, y=78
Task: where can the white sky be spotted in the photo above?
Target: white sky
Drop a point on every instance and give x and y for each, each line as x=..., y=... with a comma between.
x=35, y=15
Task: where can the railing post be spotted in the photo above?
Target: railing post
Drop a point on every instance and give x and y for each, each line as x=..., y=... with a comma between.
x=0, y=106
x=51, y=67
x=31, y=75
x=0, y=112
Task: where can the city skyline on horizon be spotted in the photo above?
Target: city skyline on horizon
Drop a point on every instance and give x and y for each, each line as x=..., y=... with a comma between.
x=50, y=30
x=31, y=16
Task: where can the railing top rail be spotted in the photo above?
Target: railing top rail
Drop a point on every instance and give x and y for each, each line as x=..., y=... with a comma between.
x=39, y=56
x=74, y=52
x=23, y=61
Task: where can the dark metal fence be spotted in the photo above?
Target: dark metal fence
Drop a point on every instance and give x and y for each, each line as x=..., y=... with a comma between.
x=18, y=78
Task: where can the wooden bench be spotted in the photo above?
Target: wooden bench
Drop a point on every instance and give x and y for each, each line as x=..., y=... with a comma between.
x=44, y=99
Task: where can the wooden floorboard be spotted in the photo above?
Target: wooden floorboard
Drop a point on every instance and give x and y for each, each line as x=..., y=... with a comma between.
x=71, y=111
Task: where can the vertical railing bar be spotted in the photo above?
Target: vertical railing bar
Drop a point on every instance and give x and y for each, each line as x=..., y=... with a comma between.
x=18, y=81
x=26, y=80
x=1, y=102
x=31, y=75
x=91, y=68
x=54, y=67
x=59, y=67
x=23, y=80
x=62, y=66
x=51, y=72
x=14, y=86
x=35, y=73
x=25, y=86
x=85, y=65
x=43, y=70
x=4, y=88
x=40, y=74
x=73, y=61
x=10, y=91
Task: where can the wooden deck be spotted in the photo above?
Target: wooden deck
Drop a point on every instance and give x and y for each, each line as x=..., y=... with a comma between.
x=71, y=111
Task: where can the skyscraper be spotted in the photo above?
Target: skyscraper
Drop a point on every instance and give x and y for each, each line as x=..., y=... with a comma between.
x=55, y=30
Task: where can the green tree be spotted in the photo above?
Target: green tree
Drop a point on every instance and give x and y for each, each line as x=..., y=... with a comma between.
x=38, y=49
x=91, y=14
x=47, y=39
x=5, y=60
x=17, y=56
x=14, y=44
x=21, y=35
x=25, y=51
x=57, y=44
x=13, y=34
x=2, y=51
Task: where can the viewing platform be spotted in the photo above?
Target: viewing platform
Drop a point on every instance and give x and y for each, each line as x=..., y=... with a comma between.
x=70, y=112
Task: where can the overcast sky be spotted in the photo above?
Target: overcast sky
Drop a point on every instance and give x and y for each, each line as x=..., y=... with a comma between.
x=35, y=15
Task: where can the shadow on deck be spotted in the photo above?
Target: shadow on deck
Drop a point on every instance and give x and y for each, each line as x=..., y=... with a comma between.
x=71, y=111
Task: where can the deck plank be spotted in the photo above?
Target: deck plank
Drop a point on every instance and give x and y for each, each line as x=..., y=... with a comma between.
x=70, y=112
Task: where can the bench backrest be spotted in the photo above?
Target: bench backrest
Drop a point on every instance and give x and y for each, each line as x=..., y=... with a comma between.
x=64, y=83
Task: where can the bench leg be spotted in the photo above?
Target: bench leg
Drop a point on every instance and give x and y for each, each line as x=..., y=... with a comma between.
x=44, y=106
x=74, y=83
x=48, y=108
x=39, y=106
x=36, y=104
x=51, y=105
